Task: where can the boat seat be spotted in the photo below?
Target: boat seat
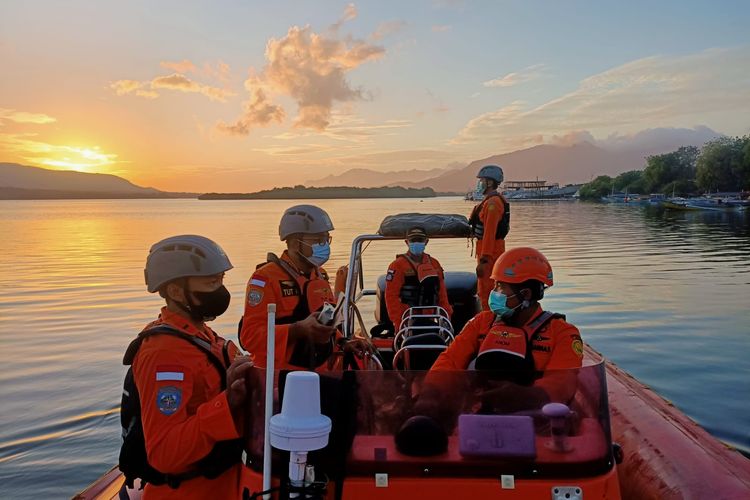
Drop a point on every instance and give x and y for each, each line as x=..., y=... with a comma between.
x=419, y=351
x=462, y=295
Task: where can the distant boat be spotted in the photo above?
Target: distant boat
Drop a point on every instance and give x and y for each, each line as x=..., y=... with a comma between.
x=706, y=203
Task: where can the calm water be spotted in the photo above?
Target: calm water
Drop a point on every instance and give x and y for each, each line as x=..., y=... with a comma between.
x=664, y=295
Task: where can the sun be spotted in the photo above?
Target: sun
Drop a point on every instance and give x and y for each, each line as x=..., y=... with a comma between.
x=80, y=159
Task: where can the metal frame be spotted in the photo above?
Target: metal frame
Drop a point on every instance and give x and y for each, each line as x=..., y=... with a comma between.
x=355, y=277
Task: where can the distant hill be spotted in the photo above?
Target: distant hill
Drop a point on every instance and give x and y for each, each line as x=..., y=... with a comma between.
x=551, y=163
x=24, y=182
x=336, y=192
x=582, y=158
x=364, y=177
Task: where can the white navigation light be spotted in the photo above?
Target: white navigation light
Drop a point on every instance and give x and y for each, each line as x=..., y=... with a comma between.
x=300, y=426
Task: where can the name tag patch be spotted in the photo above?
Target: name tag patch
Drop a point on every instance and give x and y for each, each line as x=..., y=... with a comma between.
x=289, y=288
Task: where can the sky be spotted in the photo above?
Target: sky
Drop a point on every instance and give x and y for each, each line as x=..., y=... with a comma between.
x=235, y=96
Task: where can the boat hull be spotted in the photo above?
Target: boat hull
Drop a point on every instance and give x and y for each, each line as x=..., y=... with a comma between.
x=666, y=456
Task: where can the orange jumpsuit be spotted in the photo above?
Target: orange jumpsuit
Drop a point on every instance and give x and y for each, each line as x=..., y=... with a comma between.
x=556, y=346
x=272, y=284
x=491, y=212
x=404, y=268
x=183, y=410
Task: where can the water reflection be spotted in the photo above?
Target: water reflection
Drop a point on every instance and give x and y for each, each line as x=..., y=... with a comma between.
x=663, y=294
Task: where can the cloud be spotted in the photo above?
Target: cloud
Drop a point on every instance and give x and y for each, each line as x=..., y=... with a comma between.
x=178, y=81
x=24, y=117
x=441, y=28
x=184, y=84
x=220, y=71
x=311, y=68
x=527, y=74
x=350, y=12
x=652, y=92
x=387, y=28
x=258, y=112
x=174, y=81
x=183, y=66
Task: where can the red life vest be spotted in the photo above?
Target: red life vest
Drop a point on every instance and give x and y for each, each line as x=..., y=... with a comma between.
x=506, y=351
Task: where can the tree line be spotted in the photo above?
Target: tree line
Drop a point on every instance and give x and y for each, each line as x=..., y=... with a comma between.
x=721, y=165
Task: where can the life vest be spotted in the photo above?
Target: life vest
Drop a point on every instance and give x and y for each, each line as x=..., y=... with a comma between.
x=477, y=226
x=506, y=351
x=312, y=293
x=133, y=461
x=422, y=288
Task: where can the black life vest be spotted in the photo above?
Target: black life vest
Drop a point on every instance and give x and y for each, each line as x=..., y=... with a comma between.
x=507, y=352
x=423, y=287
x=133, y=462
x=477, y=226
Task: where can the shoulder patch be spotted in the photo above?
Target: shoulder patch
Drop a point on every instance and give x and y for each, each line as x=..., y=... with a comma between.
x=389, y=275
x=168, y=399
x=577, y=345
x=254, y=297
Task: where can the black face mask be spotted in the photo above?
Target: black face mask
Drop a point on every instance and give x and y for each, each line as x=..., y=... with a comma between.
x=212, y=304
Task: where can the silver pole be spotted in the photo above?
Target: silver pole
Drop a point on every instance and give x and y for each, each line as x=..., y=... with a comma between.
x=270, y=354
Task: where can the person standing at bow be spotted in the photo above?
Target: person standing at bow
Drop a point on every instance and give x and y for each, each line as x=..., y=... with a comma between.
x=490, y=223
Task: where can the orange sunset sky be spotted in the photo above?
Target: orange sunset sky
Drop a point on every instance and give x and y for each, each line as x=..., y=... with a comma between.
x=239, y=96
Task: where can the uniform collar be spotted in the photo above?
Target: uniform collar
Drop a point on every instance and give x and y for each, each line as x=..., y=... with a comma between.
x=183, y=323
x=415, y=259
x=286, y=258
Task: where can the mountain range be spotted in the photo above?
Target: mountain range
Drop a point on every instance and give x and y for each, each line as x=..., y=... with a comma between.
x=576, y=159
x=25, y=182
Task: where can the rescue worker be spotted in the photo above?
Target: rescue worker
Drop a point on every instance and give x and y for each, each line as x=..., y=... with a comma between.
x=191, y=382
x=529, y=354
x=299, y=287
x=414, y=279
x=490, y=222
x=516, y=338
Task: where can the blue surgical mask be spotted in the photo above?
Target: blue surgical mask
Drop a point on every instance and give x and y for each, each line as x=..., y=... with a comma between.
x=498, y=303
x=321, y=252
x=417, y=247
x=479, y=191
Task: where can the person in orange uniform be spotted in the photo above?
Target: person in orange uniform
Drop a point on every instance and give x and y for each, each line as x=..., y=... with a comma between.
x=414, y=279
x=190, y=380
x=490, y=222
x=299, y=287
x=517, y=338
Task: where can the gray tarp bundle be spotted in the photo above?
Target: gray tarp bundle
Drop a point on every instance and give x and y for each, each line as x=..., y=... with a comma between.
x=434, y=224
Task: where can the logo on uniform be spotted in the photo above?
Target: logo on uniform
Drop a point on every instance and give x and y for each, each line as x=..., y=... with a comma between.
x=168, y=399
x=254, y=297
x=389, y=275
x=577, y=346
x=505, y=334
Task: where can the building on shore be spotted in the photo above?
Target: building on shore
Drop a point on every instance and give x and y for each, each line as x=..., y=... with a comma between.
x=538, y=189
